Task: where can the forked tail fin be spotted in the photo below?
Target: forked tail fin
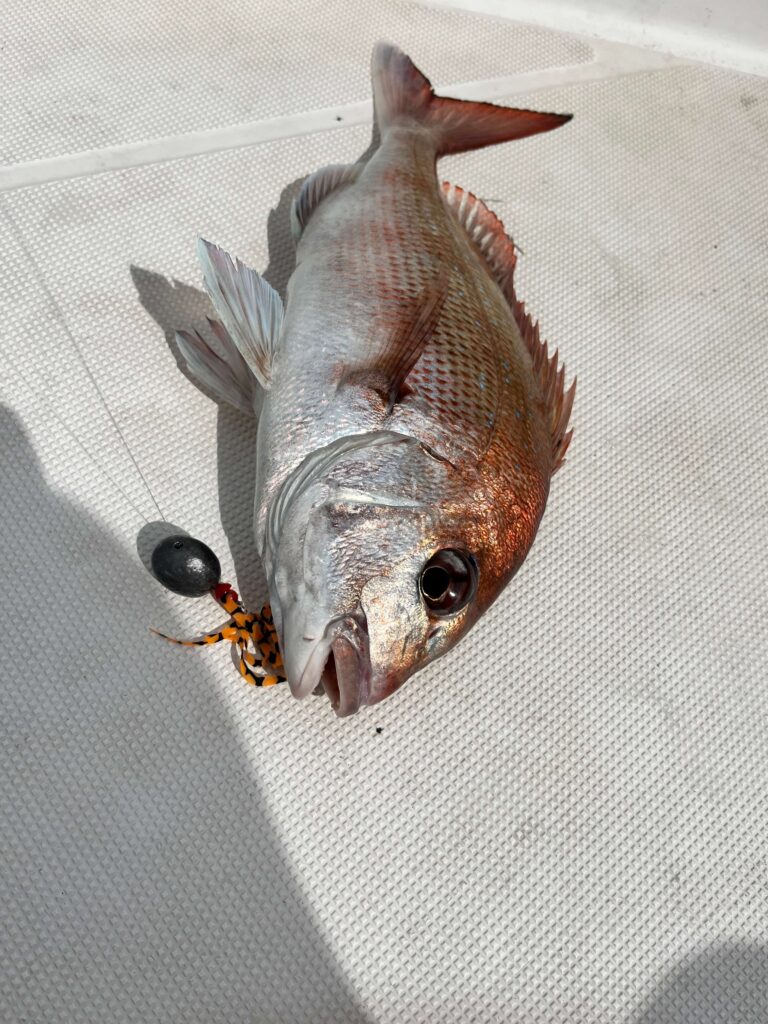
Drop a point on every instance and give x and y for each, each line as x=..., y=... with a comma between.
x=402, y=94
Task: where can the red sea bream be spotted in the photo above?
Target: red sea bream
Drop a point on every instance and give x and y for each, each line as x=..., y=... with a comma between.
x=410, y=418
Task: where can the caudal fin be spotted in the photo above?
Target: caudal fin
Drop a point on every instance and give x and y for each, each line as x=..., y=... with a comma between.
x=402, y=94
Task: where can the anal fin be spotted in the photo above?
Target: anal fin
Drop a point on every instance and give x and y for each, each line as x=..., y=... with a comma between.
x=314, y=191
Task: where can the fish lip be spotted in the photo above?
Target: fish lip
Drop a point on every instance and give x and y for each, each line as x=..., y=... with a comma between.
x=310, y=676
x=346, y=637
x=349, y=688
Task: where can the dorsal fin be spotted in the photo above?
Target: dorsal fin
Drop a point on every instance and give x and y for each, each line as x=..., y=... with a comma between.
x=557, y=400
x=487, y=232
x=315, y=189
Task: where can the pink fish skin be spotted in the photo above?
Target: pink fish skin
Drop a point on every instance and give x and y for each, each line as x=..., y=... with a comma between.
x=410, y=416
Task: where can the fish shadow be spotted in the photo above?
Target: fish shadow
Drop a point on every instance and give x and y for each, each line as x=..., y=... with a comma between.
x=174, y=305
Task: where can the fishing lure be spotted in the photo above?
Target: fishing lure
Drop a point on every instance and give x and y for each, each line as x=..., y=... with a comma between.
x=187, y=566
x=261, y=667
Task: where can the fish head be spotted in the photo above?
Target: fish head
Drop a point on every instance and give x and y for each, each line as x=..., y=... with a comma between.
x=376, y=566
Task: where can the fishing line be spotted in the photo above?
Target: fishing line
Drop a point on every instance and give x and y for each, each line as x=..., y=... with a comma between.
x=83, y=363
x=35, y=388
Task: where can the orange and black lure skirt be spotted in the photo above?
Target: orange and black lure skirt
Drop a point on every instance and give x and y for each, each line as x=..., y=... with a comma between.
x=262, y=664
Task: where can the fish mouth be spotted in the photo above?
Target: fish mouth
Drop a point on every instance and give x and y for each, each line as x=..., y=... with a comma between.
x=340, y=666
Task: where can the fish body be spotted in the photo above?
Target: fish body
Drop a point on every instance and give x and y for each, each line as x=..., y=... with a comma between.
x=410, y=420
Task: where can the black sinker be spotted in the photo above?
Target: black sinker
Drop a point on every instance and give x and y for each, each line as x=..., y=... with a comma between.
x=185, y=565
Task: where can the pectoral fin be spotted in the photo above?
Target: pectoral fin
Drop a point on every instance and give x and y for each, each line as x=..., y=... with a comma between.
x=414, y=323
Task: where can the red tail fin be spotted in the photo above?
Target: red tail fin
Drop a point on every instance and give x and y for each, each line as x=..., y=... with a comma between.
x=403, y=94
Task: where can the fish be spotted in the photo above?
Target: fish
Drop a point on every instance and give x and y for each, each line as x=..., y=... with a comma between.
x=410, y=417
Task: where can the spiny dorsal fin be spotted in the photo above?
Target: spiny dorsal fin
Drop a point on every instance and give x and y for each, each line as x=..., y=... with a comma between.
x=487, y=232
x=250, y=309
x=557, y=400
x=415, y=323
x=315, y=189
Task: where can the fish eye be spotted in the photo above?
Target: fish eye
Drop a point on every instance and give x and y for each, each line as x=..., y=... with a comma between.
x=448, y=581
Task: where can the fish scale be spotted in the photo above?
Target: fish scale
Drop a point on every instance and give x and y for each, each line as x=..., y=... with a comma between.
x=392, y=244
